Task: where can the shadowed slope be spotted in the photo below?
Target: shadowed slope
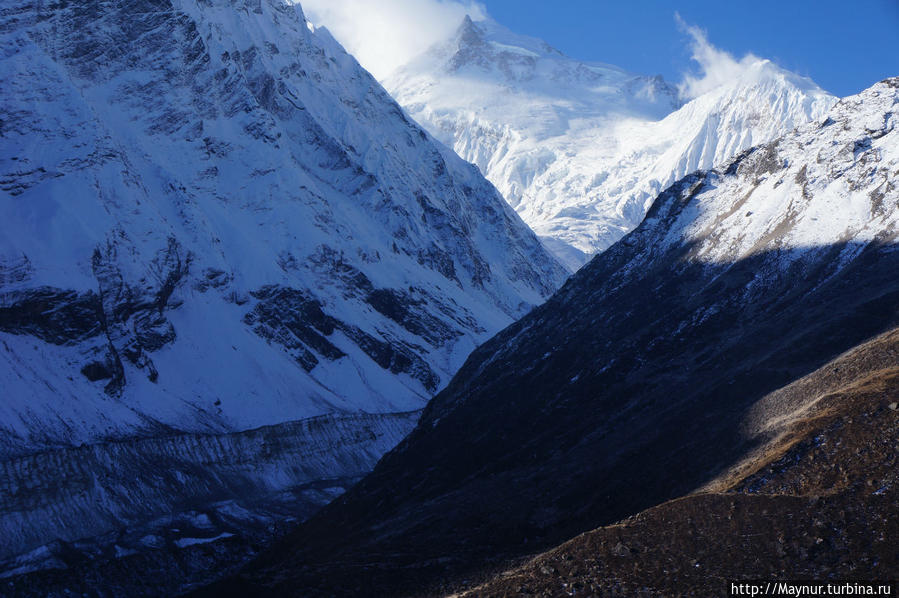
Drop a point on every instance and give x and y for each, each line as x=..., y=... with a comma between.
x=633, y=384
x=819, y=500
x=530, y=455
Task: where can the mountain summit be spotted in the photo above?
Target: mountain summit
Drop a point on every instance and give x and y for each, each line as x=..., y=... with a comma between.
x=581, y=149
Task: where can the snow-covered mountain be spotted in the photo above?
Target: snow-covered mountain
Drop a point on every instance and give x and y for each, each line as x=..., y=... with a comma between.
x=213, y=219
x=674, y=358
x=580, y=150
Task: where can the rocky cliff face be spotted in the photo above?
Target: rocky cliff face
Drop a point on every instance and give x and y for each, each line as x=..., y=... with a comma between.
x=214, y=220
x=648, y=375
x=581, y=150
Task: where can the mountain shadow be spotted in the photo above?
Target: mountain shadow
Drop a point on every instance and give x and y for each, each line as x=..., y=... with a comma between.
x=629, y=387
x=819, y=500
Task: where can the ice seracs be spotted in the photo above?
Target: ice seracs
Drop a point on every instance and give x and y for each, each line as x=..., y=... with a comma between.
x=581, y=149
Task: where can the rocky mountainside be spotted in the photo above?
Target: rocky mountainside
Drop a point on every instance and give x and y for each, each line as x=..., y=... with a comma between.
x=213, y=220
x=657, y=369
x=581, y=149
x=817, y=498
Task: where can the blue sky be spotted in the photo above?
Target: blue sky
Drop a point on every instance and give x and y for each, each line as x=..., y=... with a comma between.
x=845, y=46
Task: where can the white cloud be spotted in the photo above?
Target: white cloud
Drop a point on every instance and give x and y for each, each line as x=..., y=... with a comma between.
x=718, y=67
x=385, y=34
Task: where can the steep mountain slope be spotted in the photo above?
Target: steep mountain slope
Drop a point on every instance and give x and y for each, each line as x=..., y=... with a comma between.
x=819, y=499
x=213, y=219
x=635, y=383
x=580, y=149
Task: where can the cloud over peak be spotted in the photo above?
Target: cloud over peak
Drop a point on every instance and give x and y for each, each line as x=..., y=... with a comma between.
x=718, y=66
x=386, y=34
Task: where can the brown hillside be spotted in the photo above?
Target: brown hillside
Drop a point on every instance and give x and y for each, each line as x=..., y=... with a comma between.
x=819, y=500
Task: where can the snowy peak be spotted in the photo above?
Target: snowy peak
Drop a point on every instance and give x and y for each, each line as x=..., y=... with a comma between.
x=767, y=95
x=469, y=36
x=764, y=70
x=762, y=103
x=486, y=51
x=827, y=183
x=481, y=45
x=581, y=149
x=818, y=204
x=470, y=48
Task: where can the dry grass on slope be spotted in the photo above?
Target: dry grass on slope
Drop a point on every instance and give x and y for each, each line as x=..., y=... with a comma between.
x=819, y=499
